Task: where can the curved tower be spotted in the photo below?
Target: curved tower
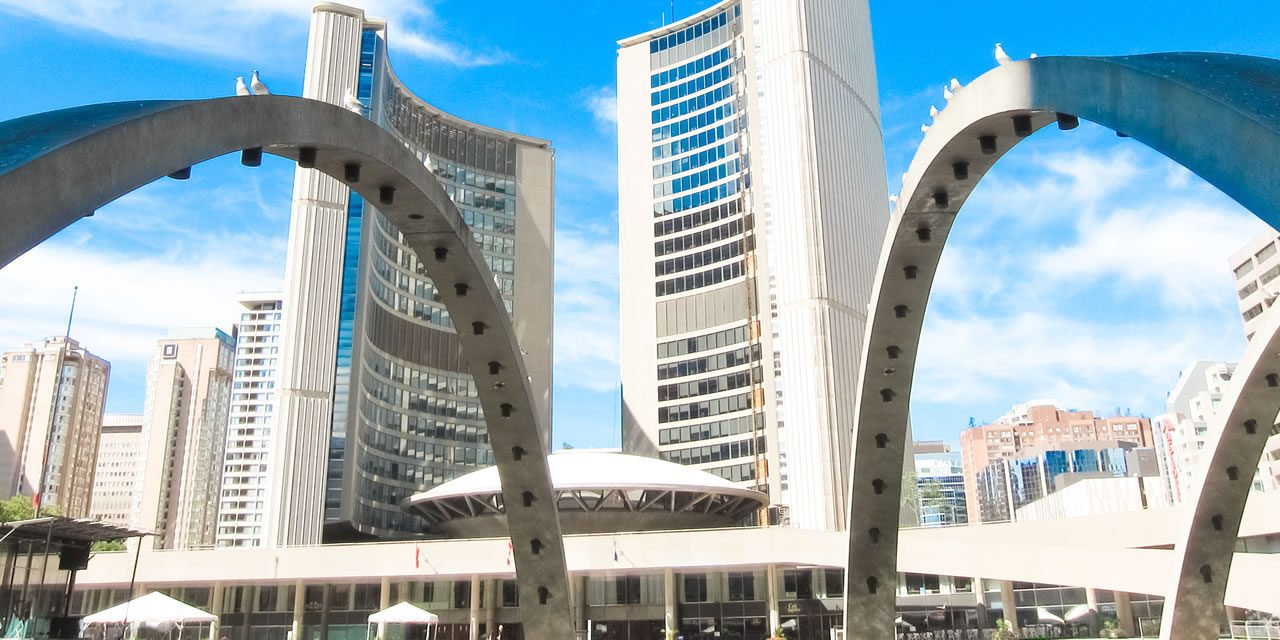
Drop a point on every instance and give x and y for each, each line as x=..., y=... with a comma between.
x=374, y=402
x=752, y=206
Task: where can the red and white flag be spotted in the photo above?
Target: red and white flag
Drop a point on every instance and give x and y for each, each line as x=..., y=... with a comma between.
x=509, y=551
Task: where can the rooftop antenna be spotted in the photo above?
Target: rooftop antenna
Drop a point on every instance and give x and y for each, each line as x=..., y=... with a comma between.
x=37, y=501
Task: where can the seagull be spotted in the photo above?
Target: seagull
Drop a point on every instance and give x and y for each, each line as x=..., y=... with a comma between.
x=259, y=89
x=933, y=112
x=893, y=199
x=241, y=90
x=1034, y=56
x=1002, y=57
x=352, y=103
x=924, y=128
x=949, y=91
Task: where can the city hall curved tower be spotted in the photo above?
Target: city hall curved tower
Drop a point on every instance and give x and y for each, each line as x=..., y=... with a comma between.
x=752, y=207
x=375, y=404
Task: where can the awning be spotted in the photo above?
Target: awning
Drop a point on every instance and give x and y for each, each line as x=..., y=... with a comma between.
x=1046, y=616
x=404, y=613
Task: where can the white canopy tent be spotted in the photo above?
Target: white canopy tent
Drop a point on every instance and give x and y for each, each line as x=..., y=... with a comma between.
x=154, y=611
x=406, y=614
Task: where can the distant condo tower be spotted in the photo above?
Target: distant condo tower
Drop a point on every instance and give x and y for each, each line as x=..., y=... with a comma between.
x=752, y=208
x=374, y=401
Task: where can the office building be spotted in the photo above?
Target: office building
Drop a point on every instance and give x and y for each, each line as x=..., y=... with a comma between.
x=939, y=479
x=184, y=429
x=752, y=211
x=247, y=461
x=1009, y=484
x=119, y=454
x=1256, y=265
x=374, y=401
x=53, y=394
x=1039, y=423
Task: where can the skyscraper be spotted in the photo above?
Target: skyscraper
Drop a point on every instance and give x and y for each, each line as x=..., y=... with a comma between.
x=248, y=458
x=752, y=209
x=375, y=403
x=119, y=454
x=184, y=425
x=54, y=377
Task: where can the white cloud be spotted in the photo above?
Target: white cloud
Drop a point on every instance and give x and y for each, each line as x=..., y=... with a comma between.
x=241, y=29
x=603, y=105
x=586, y=310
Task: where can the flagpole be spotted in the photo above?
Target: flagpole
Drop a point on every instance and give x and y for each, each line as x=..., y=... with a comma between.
x=64, y=349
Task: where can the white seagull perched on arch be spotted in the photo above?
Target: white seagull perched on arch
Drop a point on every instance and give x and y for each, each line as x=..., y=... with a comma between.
x=241, y=89
x=351, y=102
x=1002, y=57
x=950, y=90
x=933, y=112
x=924, y=128
x=259, y=89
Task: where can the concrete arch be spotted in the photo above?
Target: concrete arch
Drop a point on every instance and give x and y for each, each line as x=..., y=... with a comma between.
x=60, y=166
x=1215, y=114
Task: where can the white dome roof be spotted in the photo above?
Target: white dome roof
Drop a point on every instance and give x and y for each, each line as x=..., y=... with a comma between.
x=573, y=469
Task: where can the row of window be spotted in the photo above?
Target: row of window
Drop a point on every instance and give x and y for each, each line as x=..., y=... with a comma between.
x=694, y=67
x=469, y=176
x=414, y=378
x=699, y=198
x=696, y=31
x=716, y=452
x=378, y=417
x=705, y=342
x=418, y=475
x=695, y=160
x=696, y=219
x=696, y=141
x=735, y=472
x=442, y=138
x=695, y=180
x=709, y=430
x=694, y=104
x=707, y=364
x=705, y=408
x=429, y=404
x=418, y=451
x=731, y=229
x=496, y=222
x=699, y=280
x=708, y=386
x=718, y=253
x=703, y=119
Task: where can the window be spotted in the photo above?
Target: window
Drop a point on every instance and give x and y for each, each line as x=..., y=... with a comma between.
x=834, y=582
x=797, y=584
x=695, y=588
x=1267, y=252
x=742, y=587
x=510, y=594
x=627, y=589
x=1244, y=268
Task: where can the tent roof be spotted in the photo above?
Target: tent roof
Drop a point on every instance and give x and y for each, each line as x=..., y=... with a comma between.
x=153, y=607
x=404, y=613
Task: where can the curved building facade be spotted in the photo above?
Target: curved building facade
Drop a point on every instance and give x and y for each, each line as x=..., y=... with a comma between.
x=752, y=208
x=375, y=402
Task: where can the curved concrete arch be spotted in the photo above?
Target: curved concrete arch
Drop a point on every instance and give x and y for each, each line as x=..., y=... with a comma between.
x=1215, y=114
x=59, y=166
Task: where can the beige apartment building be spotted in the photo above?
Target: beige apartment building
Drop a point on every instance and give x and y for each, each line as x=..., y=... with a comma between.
x=119, y=454
x=1040, y=424
x=1256, y=265
x=183, y=434
x=52, y=396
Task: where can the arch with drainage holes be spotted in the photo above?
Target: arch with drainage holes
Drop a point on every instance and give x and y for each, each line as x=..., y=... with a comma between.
x=1219, y=116
x=58, y=167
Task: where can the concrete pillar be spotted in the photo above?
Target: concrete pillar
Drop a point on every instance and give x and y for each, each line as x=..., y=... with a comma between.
x=299, y=606
x=325, y=597
x=139, y=590
x=1124, y=613
x=669, y=599
x=579, y=585
x=1008, y=605
x=492, y=593
x=384, y=601
x=771, y=578
x=980, y=591
x=215, y=607
x=474, y=633
x=1091, y=601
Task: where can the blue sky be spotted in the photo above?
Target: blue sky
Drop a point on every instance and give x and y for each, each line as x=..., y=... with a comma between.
x=1086, y=268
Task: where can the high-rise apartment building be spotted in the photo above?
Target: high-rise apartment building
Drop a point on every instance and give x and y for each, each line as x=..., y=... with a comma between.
x=247, y=461
x=939, y=477
x=1181, y=432
x=1256, y=265
x=119, y=457
x=53, y=394
x=752, y=211
x=184, y=429
x=1040, y=423
x=375, y=402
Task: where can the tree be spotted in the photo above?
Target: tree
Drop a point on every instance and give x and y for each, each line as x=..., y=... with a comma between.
x=109, y=545
x=1005, y=630
x=20, y=508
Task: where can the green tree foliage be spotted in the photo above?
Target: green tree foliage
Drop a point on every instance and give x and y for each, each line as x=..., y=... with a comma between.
x=21, y=508
x=109, y=545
